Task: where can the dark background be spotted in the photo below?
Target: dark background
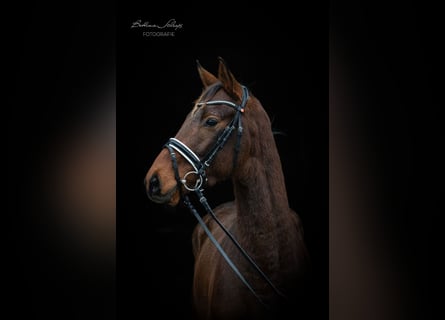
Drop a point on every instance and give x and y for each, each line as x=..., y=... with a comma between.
x=386, y=76
x=61, y=55
x=282, y=58
x=60, y=65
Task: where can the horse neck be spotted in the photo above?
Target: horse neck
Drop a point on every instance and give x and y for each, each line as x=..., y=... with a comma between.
x=260, y=193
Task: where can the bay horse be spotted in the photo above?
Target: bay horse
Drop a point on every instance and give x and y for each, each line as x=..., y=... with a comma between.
x=250, y=254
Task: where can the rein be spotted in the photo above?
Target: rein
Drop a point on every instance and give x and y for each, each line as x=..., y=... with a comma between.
x=199, y=169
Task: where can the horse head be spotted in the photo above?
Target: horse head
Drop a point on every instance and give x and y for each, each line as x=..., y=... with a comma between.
x=199, y=157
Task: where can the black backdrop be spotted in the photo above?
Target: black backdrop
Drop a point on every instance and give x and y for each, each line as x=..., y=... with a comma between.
x=282, y=57
x=62, y=55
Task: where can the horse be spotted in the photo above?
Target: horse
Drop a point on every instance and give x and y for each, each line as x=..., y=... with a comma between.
x=250, y=256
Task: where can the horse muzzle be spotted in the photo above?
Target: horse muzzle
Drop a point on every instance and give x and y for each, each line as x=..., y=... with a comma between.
x=155, y=194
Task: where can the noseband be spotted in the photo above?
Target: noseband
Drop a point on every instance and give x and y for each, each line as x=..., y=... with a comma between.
x=199, y=170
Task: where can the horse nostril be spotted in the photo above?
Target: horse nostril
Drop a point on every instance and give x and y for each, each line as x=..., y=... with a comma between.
x=154, y=187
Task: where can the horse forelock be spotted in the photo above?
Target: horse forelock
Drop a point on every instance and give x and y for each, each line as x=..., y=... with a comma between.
x=208, y=93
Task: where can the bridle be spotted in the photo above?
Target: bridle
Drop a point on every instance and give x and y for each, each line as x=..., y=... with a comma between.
x=200, y=165
x=199, y=169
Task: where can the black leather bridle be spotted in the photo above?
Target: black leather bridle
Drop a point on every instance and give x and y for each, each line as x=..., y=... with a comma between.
x=199, y=169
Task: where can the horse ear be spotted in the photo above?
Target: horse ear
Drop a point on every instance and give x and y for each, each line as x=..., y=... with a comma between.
x=230, y=84
x=206, y=77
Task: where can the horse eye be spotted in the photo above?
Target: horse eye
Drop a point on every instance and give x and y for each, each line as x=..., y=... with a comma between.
x=211, y=122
